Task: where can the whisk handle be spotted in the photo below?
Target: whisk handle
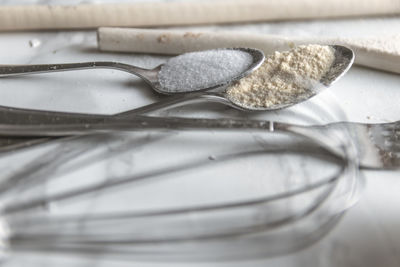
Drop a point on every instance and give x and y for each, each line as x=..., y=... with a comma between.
x=109, y=124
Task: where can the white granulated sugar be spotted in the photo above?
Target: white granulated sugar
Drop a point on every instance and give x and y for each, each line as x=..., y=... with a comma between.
x=204, y=69
x=283, y=77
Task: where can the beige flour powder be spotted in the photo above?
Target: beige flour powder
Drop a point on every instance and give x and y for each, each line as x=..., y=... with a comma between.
x=283, y=77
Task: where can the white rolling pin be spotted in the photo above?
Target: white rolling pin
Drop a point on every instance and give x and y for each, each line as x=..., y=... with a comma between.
x=84, y=16
x=381, y=53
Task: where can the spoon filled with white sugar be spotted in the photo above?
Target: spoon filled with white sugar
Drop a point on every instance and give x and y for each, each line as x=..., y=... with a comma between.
x=284, y=79
x=189, y=72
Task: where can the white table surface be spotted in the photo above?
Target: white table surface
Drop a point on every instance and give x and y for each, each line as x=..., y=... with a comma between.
x=369, y=235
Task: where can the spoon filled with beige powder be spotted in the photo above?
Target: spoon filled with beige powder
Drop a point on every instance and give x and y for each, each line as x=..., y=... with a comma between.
x=284, y=79
x=291, y=77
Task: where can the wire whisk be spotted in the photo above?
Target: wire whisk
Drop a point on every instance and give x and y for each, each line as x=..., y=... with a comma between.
x=288, y=212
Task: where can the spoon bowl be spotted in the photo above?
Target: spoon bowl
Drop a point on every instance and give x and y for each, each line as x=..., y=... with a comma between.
x=343, y=59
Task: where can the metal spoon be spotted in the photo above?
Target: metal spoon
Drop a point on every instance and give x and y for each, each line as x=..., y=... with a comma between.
x=254, y=59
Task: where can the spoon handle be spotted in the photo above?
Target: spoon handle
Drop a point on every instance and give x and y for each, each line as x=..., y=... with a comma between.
x=176, y=101
x=13, y=70
x=20, y=116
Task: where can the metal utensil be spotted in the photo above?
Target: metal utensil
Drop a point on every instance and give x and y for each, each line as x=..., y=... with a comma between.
x=150, y=76
x=378, y=144
x=206, y=227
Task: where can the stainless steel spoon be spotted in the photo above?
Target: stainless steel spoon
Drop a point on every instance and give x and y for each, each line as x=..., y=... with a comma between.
x=150, y=76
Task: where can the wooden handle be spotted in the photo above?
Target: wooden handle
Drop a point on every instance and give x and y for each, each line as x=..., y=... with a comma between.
x=381, y=53
x=37, y=17
x=178, y=42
